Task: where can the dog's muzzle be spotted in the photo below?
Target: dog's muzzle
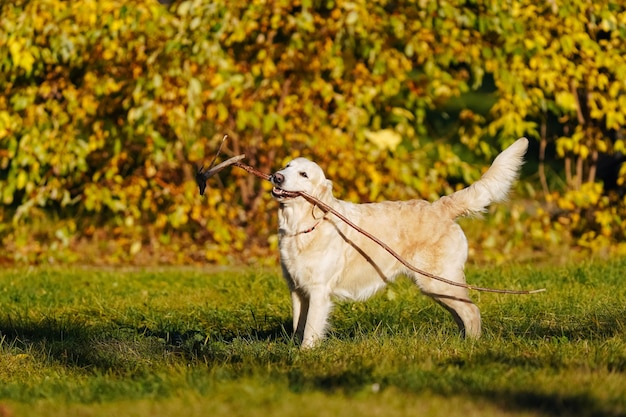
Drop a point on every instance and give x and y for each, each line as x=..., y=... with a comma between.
x=277, y=179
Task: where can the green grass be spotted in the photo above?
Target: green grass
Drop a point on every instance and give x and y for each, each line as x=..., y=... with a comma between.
x=170, y=342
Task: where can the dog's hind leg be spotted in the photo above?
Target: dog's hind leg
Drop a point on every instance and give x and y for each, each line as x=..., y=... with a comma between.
x=465, y=313
x=454, y=299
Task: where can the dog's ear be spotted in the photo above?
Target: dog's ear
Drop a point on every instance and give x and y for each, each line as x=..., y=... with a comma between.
x=326, y=196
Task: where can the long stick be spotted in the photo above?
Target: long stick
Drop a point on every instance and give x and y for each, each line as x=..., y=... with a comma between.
x=236, y=161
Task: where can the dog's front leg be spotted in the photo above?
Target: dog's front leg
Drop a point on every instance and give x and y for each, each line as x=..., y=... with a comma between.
x=320, y=306
x=300, y=307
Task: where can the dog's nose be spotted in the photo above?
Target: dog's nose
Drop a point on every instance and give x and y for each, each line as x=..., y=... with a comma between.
x=278, y=178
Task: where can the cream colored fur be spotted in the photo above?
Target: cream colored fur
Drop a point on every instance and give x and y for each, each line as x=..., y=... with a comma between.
x=322, y=258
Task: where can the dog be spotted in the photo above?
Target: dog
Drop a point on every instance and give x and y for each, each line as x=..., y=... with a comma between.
x=324, y=259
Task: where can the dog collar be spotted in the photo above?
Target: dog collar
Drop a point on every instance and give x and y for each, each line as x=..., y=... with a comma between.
x=312, y=228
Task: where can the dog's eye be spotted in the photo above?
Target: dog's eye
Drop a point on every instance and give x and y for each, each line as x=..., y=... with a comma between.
x=304, y=174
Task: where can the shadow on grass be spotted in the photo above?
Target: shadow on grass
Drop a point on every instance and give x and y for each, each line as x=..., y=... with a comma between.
x=75, y=344
x=595, y=325
x=591, y=325
x=122, y=347
x=551, y=404
x=526, y=398
x=346, y=381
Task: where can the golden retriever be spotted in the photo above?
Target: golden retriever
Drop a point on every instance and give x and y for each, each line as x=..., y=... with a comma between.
x=322, y=258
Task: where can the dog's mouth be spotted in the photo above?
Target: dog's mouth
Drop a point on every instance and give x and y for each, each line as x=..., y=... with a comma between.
x=280, y=194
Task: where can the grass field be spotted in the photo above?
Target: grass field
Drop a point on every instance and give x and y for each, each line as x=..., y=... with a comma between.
x=188, y=342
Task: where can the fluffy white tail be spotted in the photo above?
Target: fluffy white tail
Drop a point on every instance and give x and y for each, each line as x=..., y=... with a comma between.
x=492, y=187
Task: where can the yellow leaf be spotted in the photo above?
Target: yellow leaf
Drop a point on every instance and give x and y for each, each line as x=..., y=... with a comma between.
x=386, y=138
x=5, y=124
x=529, y=43
x=89, y=104
x=21, y=55
x=135, y=247
x=565, y=100
x=22, y=178
x=399, y=111
x=112, y=86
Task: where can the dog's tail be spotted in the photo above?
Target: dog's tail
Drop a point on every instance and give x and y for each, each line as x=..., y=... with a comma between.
x=492, y=187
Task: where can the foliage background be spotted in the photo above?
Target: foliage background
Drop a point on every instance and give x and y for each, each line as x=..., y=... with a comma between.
x=108, y=107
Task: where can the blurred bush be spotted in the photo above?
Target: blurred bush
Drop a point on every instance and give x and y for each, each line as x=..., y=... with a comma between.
x=108, y=107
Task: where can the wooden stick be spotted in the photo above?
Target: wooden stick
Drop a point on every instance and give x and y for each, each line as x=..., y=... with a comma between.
x=203, y=175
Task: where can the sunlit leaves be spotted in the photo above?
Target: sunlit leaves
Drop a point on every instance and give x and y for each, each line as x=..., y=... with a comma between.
x=108, y=107
x=574, y=55
x=384, y=139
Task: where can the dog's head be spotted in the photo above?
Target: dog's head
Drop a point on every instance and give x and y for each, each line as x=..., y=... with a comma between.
x=301, y=175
